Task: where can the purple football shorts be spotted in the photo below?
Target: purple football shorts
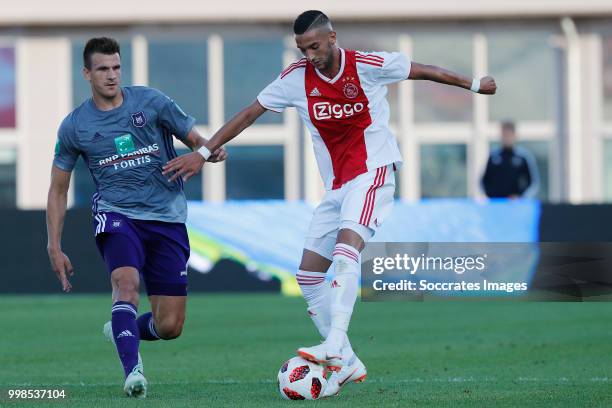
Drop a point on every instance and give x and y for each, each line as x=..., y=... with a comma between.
x=158, y=250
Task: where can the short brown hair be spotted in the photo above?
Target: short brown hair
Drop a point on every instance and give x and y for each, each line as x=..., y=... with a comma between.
x=102, y=45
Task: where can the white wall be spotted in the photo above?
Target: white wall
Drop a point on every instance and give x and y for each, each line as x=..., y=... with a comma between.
x=41, y=12
x=43, y=98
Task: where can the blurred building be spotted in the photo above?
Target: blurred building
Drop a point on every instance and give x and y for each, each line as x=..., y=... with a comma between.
x=552, y=61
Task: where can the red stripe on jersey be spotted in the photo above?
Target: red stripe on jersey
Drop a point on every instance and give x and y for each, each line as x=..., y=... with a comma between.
x=340, y=113
x=291, y=69
x=369, y=59
x=295, y=64
x=380, y=61
x=370, y=56
x=288, y=68
x=300, y=61
x=363, y=61
x=368, y=196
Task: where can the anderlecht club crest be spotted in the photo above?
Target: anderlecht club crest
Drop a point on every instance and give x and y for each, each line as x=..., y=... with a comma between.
x=139, y=119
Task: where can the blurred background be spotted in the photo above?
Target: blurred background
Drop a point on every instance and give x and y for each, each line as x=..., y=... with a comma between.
x=552, y=61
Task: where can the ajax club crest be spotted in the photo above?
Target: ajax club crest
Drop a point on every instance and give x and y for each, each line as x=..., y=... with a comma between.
x=350, y=90
x=139, y=119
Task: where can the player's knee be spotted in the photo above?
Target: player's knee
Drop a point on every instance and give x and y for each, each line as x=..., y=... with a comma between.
x=169, y=329
x=125, y=284
x=127, y=291
x=313, y=261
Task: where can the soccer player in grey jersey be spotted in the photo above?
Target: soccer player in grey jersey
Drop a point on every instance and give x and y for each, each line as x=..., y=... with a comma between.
x=125, y=136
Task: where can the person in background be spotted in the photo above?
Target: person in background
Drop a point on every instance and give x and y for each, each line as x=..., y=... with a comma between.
x=511, y=170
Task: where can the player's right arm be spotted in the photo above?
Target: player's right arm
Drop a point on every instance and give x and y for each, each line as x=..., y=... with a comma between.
x=189, y=164
x=57, y=200
x=236, y=125
x=67, y=152
x=271, y=98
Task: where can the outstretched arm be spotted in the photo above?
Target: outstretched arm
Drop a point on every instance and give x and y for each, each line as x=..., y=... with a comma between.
x=189, y=164
x=485, y=85
x=56, y=211
x=194, y=141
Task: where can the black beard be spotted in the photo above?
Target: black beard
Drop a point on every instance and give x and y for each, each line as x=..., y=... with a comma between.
x=329, y=62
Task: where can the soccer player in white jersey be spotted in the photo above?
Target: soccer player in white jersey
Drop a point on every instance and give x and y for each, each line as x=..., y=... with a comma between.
x=340, y=96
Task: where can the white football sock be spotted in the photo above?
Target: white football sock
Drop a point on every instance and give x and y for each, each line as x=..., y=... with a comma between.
x=344, y=289
x=316, y=292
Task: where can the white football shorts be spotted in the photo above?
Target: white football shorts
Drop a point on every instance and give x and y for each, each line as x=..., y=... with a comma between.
x=361, y=205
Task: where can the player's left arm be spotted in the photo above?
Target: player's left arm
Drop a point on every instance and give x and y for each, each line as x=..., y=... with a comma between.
x=485, y=85
x=195, y=140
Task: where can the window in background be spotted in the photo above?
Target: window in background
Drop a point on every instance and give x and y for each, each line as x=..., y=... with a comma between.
x=523, y=65
x=7, y=87
x=607, y=78
x=607, y=162
x=179, y=69
x=81, y=89
x=249, y=66
x=255, y=172
x=435, y=102
x=8, y=178
x=541, y=151
x=364, y=40
x=443, y=170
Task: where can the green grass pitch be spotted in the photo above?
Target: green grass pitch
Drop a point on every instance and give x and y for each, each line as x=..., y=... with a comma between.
x=438, y=354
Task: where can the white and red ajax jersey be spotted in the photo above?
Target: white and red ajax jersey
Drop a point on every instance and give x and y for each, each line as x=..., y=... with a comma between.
x=348, y=116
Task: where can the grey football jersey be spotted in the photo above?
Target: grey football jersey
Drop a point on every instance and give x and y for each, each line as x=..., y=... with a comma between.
x=125, y=149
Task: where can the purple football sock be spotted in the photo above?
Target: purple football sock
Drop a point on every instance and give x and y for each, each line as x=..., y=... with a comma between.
x=146, y=327
x=125, y=332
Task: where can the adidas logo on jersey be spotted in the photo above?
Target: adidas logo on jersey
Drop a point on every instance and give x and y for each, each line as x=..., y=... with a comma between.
x=125, y=333
x=315, y=92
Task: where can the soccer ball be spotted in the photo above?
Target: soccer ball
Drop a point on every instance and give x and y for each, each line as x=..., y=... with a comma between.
x=300, y=379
